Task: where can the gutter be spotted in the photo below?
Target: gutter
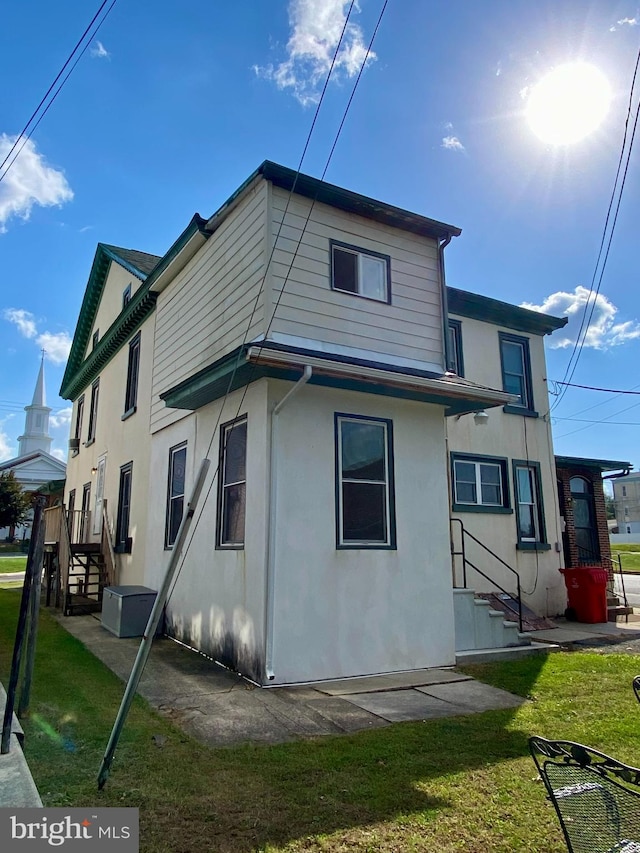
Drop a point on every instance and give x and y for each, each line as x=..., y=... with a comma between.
x=271, y=528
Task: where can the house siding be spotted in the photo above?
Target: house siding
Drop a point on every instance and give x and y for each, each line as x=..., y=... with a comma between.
x=110, y=305
x=410, y=327
x=204, y=312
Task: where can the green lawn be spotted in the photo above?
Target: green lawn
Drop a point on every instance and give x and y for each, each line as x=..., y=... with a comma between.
x=460, y=784
x=12, y=564
x=629, y=555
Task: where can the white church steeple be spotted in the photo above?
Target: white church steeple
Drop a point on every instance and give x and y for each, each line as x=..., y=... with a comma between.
x=36, y=426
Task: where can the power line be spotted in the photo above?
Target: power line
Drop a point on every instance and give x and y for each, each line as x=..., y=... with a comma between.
x=608, y=423
x=579, y=344
x=21, y=139
x=593, y=388
x=604, y=421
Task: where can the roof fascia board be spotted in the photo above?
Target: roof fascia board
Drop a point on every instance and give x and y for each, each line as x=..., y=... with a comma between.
x=489, y=310
x=178, y=256
x=585, y=462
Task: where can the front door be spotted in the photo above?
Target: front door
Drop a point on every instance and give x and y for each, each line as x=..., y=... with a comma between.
x=584, y=520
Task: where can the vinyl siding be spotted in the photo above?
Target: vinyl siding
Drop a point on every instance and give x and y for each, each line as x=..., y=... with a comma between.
x=204, y=313
x=410, y=327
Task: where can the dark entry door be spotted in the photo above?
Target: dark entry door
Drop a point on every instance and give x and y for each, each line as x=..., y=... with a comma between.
x=584, y=519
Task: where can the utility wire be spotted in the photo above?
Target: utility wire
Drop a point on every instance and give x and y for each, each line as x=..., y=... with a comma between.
x=604, y=421
x=21, y=139
x=593, y=388
x=579, y=344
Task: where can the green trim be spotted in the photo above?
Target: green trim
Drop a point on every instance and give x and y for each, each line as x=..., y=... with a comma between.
x=477, y=307
x=505, y=337
x=541, y=544
x=520, y=410
x=596, y=464
x=457, y=326
x=502, y=461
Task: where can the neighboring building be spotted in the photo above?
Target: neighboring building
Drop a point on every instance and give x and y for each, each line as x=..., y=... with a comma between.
x=626, y=495
x=299, y=338
x=34, y=466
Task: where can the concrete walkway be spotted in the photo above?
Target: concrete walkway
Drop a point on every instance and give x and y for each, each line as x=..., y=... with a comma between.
x=17, y=788
x=219, y=708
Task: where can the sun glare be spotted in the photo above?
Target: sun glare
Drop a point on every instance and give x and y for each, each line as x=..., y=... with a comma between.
x=568, y=104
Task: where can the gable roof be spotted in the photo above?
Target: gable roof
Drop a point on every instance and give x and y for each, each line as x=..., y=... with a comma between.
x=477, y=307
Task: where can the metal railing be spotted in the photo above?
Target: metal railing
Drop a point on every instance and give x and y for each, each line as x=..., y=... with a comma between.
x=464, y=533
x=614, y=566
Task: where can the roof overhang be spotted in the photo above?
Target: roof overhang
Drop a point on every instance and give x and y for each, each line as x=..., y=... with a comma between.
x=265, y=359
x=478, y=307
x=593, y=464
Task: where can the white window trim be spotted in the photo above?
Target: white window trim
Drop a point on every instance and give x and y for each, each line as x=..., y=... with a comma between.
x=477, y=464
x=364, y=543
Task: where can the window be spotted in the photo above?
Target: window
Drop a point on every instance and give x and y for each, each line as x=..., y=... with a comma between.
x=516, y=372
x=95, y=339
x=126, y=296
x=123, y=540
x=363, y=273
x=77, y=433
x=628, y=528
x=529, y=510
x=456, y=364
x=365, y=510
x=624, y=491
x=626, y=513
x=232, y=485
x=133, y=370
x=480, y=483
x=93, y=412
x=175, y=493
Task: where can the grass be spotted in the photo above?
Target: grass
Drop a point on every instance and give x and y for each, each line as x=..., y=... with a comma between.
x=12, y=564
x=629, y=555
x=460, y=784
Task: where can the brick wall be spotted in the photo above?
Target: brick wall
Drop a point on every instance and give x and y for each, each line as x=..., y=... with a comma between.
x=571, y=549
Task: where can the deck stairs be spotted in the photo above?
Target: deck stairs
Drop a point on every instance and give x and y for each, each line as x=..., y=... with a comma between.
x=86, y=580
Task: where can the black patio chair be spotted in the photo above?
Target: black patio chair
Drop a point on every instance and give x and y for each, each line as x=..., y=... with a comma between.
x=636, y=687
x=596, y=798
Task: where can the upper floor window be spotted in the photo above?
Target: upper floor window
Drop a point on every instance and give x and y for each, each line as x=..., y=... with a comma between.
x=364, y=488
x=480, y=483
x=361, y=272
x=232, y=484
x=175, y=493
x=133, y=370
x=126, y=296
x=95, y=339
x=624, y=491
x=516, y=372
x=77, y=431
x=456, y=362
x=93, y=411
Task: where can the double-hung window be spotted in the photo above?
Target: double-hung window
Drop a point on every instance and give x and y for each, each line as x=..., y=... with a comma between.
x=456, y=362
x=175, y=493
x=126, y=296
x=93, y=411
x=133, y=370
x=480, y=483
x=123, y=540
x=365, y=513
x=77, y=433
x=516, y=372
x=529, y=509
x=232, y=484
x=361, y=272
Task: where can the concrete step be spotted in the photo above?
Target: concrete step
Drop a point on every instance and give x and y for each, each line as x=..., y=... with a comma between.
x=508, y=653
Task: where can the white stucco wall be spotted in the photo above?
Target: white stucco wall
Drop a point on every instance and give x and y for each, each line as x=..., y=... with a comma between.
x=352, y=612
x=118, y=279
x=511, y=436
x=217, y=605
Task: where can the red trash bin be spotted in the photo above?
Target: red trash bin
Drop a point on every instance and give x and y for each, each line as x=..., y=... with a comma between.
x=587, y=593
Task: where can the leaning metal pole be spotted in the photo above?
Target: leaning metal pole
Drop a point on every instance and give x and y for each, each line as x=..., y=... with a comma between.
x=150, y=630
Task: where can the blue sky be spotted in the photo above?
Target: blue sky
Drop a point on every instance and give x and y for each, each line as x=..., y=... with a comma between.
x=175, y=105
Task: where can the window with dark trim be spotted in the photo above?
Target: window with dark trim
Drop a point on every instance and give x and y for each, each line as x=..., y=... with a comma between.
x=77, y=433
x=95, y=339
x=365, y=500
x=527, y=491
x=175, y=492
x=133, y=371
x=361, y=272
x=479, y=483
x=232, y=484
x=123, y=540
x=456, y=362
x=515, y=362
x=126, y=296
x=93, y=411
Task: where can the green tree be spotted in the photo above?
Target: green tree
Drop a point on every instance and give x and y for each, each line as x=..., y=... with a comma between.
x=14, y=502
x=610, y=506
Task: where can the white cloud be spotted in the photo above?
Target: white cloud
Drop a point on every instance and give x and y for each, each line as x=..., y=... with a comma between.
x=626, y=22
x=56, y=344
x=100, y=51
x=62, y=418
x=24, y=320
x=6, y=450
x=316, y=26
x=452, y=143
x=603, y=331
x=28, y=182
x=59, y=454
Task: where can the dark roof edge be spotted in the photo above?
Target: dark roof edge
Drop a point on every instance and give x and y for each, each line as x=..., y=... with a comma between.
x=585, y=462
x=477, y=307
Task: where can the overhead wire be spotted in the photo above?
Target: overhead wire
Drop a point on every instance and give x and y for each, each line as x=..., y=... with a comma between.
x=22, y=139
x=203, y=501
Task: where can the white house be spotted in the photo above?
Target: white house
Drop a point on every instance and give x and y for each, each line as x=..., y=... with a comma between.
x=626, y=494
x=299, y=338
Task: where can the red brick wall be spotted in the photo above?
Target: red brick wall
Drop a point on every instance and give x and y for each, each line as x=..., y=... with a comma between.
x=564, y=476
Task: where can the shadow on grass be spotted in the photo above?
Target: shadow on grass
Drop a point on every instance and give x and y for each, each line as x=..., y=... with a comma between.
x=246, y=798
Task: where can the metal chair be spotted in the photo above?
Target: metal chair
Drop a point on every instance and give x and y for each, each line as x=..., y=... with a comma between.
x=596, y=798
x=636, y=687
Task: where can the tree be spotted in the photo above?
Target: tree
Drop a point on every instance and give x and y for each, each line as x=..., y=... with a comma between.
x=610, y=506
x=14, y=502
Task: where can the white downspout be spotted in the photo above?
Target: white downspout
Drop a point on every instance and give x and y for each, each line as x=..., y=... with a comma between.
x=271, y=528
